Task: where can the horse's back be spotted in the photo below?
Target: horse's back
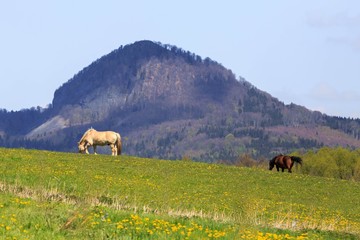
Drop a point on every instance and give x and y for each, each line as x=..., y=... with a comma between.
x=103, y=137
x=279, y=159
x=283, y=161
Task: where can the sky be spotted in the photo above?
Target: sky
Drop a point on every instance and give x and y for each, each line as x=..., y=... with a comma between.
x=301, y=51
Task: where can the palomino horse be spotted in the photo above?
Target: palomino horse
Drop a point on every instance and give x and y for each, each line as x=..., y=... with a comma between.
x=284, y=162
x=94, y=138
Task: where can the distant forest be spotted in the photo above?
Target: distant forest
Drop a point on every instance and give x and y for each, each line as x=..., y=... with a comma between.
x=215, y=117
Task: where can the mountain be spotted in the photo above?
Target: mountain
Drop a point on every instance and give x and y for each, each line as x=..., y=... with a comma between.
x=169, y=103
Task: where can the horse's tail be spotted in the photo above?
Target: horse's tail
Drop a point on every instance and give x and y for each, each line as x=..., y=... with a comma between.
x=296, y=159
x=118, y=144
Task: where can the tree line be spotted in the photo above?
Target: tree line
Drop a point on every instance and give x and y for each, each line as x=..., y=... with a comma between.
x=340, y=163
x=337, y=162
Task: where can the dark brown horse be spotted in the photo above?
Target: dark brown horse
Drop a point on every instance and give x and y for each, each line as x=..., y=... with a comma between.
x=284, y=162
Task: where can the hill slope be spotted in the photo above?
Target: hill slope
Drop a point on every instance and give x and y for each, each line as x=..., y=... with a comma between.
x=169, y=103
x=81, y=195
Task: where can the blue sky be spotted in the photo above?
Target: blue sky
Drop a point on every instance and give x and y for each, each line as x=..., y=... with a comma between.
x=302, y=51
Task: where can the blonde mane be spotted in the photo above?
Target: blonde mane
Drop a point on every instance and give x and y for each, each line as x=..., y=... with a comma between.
x=85, y=134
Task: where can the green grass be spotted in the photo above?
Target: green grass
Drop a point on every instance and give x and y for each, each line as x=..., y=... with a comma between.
x=49, y=195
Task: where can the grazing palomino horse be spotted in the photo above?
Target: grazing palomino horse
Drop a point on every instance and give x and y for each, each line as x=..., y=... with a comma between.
x=284, y=162
x=94, y=138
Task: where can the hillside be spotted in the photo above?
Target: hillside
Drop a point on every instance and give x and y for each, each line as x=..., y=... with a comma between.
x=169, y=103
x=52, y=195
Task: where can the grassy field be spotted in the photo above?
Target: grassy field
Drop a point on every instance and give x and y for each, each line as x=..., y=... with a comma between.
x=50, y=195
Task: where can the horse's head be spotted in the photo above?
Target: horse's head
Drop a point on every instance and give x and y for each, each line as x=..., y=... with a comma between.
x=83, y=144
x=82, y=147
x=271, y=164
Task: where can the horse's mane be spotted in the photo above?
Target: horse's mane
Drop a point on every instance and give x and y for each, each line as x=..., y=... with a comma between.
x=86, y=133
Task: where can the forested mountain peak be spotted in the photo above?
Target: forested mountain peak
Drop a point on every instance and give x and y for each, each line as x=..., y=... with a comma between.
x=171, y=103
x=144, y=74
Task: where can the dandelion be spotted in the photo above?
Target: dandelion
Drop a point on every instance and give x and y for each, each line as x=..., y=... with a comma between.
x=93, y=224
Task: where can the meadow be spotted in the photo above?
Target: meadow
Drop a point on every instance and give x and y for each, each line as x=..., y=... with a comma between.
x=51, y=195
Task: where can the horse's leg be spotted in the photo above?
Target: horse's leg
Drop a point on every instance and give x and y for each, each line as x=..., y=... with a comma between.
x=86, y=147
x=277, y=168
x=113, y=149
x=94, y=146
x=291, y=165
